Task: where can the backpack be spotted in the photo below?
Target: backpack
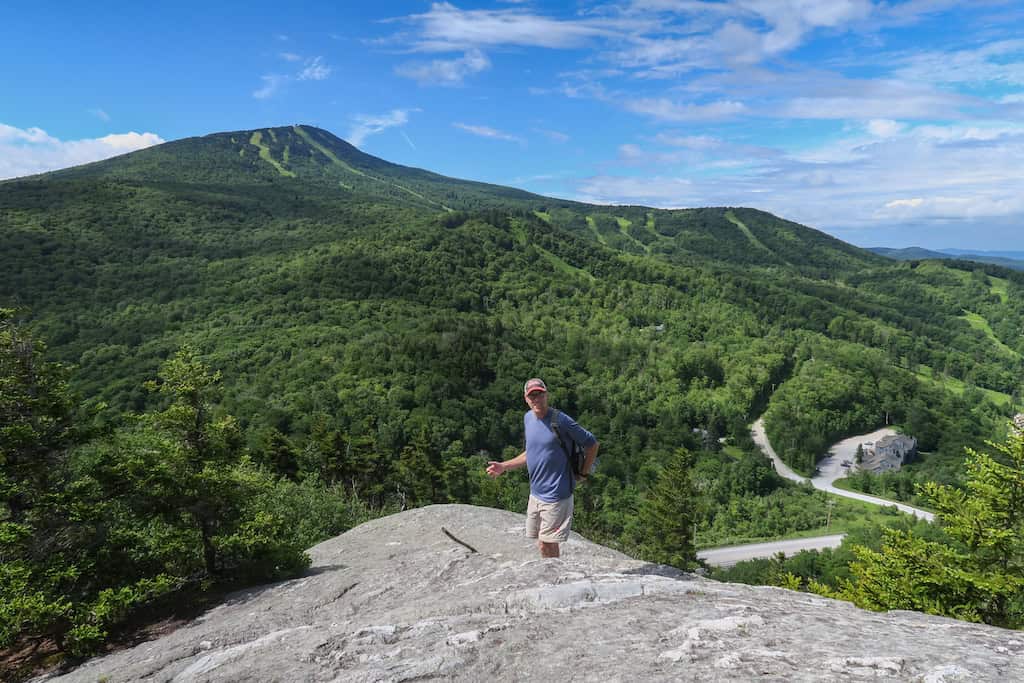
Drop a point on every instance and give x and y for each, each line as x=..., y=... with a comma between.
x=575, y=452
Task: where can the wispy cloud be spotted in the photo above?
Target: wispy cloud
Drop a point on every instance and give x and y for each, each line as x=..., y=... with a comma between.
x=700, y=142
x=553, y=135
x=370, y=124
x=446, y=28
x=315, y=70
x=446, y=72
x=998, y=62
x=488, y=132
x=666, y=110
x=32, y=150
x=100, y=114
x=271, y=85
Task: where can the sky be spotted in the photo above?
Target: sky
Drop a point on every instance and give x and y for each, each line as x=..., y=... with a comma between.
x=891, y=123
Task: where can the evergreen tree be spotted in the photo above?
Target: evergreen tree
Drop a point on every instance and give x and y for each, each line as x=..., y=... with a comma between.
x=421, y=478
x=36, y=425
x=978, y=572
x=668, y=513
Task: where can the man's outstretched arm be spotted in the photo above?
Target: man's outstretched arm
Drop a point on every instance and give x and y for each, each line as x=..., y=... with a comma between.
x=495, y=468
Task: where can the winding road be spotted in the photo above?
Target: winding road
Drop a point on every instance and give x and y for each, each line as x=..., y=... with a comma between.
x=829, y=469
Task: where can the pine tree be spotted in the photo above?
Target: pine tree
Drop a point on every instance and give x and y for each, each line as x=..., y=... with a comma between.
x=978, y=573
x=668, y=513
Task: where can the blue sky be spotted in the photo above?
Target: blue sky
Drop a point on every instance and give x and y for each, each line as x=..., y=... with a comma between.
x=884, y=123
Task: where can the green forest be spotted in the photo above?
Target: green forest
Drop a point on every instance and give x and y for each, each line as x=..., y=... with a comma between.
x=218, y=351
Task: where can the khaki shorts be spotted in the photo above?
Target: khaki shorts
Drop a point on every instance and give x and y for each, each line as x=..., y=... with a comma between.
x=549, y=522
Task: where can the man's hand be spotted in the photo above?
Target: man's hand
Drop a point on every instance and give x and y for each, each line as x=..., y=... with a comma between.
x=495, y=468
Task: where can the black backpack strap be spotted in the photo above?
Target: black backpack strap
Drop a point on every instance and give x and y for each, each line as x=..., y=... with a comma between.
x=555, y=413
x=554, y=430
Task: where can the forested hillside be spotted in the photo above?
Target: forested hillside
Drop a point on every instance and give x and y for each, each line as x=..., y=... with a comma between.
x=372, y=325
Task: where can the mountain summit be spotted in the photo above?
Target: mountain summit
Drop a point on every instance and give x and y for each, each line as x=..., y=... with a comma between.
x=396, y=599
x=304, y=155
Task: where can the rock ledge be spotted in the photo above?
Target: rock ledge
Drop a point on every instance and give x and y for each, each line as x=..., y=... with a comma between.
x=397, y=600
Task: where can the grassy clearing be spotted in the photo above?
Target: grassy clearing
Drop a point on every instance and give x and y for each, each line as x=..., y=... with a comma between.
x=338, y=162
x=624, y=223
x=979, y=323
x=518, y=232
x=257, y=141
x=563, y=266
x=543, y=215
x=927, y=374
x=593, y=228
x=846, y=515
x=746, y=231
x=999, y=287
x=326, y=152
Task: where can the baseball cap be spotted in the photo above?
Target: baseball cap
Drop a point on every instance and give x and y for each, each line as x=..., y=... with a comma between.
x=534, y=385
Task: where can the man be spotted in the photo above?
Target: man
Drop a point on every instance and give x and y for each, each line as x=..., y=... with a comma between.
x=549, y=512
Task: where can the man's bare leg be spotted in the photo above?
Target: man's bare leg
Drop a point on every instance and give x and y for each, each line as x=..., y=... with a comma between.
x=548, y=549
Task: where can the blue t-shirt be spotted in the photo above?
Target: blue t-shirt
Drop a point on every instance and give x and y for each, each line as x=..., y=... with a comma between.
x=551, y=477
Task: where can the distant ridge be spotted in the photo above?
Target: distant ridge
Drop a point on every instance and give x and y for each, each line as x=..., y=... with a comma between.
x=1007, y=259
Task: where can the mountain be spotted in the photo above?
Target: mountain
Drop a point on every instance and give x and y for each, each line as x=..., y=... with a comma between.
x=1013, y=255
x=313, y=162
x=908, y=253
x=325, y=281
x=1009, y=259
x=396, y=600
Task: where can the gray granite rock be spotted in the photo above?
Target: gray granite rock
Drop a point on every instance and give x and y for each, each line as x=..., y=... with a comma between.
x=397, y=600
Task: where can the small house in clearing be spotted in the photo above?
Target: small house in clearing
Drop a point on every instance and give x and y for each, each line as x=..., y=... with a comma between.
x=889, y=453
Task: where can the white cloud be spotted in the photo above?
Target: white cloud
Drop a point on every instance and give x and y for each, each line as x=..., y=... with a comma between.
x=664, y=109
x=884, y=128
x=315, y=70
x=922, y=106
x=32, y=150
x=553, y=135
x=650, y=191
x=689, y=141
x=100, y=114
x=370, y=124
x=951, y=208
x=997, y=62
x=447, y=28
x=487, y=132
x=897, y=203
x=10, y=134
x=271, y=84
x=448, y=72
x=740, y=32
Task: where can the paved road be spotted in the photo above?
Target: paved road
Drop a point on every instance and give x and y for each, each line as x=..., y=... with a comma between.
x=830, y=468
x=727, y=557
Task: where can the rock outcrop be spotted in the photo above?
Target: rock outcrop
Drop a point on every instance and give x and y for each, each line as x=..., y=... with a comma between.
x=396, y=600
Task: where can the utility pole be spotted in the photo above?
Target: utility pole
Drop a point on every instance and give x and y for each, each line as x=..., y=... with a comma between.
x=830, y=503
